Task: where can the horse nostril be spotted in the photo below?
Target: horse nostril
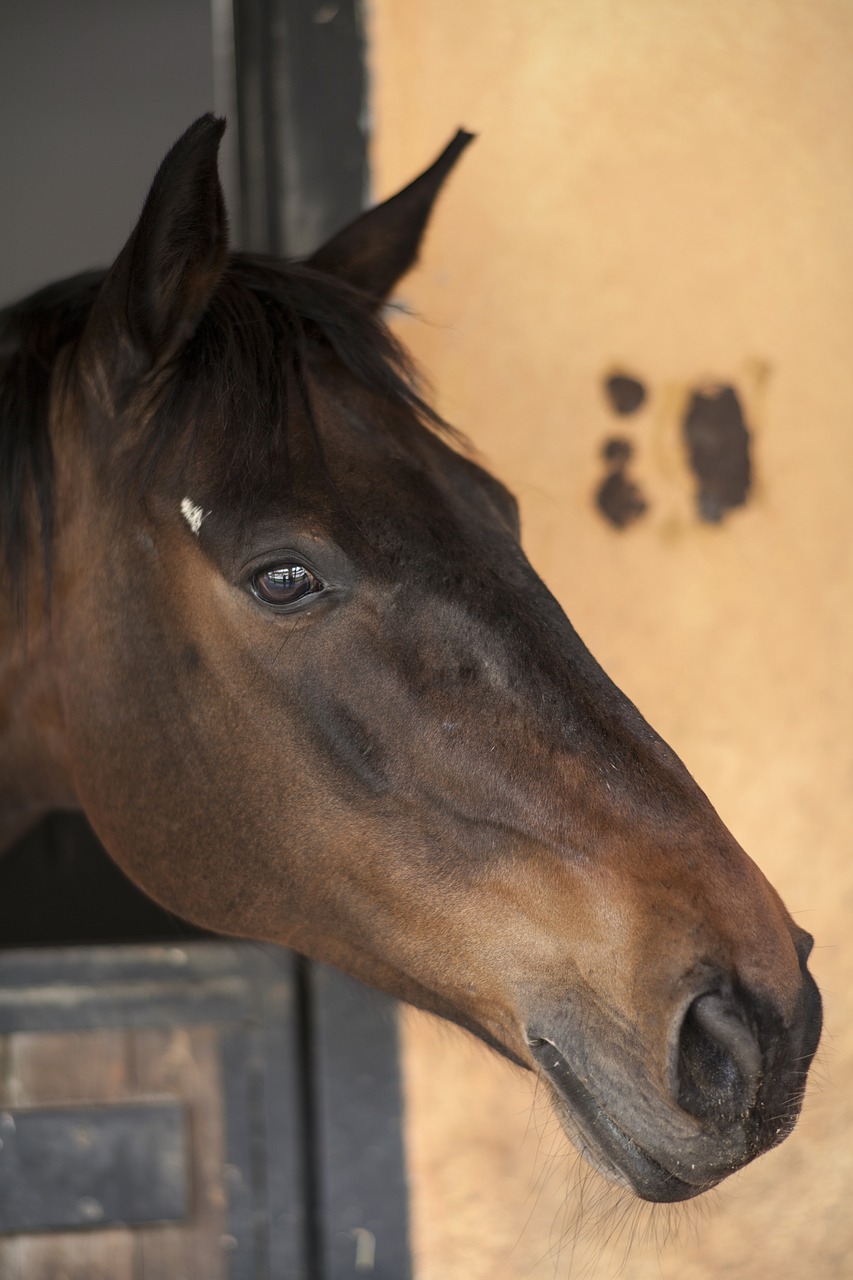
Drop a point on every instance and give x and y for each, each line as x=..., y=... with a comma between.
x=719, y=1062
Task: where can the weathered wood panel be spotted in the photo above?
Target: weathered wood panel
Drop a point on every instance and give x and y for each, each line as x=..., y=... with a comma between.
x=185, y=1062
x=42, y=1067
x=210, y=1029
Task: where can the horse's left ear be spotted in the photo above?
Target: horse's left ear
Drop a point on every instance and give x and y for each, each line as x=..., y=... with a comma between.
x=161, y=283
x=374, y=251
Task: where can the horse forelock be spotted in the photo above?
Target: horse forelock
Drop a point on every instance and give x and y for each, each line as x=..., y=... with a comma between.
x=229, y=399
x=228, y=395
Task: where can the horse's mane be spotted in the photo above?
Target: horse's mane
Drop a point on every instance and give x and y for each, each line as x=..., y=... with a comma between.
x=232, y=379
x=32, y=333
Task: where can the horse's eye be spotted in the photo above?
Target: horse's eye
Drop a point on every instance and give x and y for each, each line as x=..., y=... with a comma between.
x=285, y=584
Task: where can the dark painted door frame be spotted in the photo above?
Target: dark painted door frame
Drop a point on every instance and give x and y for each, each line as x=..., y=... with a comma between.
x=292, y=75
x=293, y=78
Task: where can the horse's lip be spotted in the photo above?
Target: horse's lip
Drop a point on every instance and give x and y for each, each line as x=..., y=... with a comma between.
x=610, y=1144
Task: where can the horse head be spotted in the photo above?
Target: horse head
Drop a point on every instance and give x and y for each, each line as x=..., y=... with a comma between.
x=307, y=688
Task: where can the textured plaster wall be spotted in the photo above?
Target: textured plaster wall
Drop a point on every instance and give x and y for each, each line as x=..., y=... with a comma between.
x=665, y=188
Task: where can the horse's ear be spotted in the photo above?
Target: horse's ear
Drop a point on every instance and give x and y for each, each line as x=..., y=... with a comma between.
x=374, y=251
x=160, y=284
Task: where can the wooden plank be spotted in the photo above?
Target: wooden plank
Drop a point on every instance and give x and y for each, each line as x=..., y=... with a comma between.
x=247, y=1154
x=184, y=1062
x=80, y=1166
x=87, y=1066
x=84, y=1255
x=48, y=1068
x=360, y=1171
x=5, y=1070
x=117, y=987
x=280, y=1068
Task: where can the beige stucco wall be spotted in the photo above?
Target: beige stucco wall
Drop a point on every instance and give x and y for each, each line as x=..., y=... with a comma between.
x=666, y=186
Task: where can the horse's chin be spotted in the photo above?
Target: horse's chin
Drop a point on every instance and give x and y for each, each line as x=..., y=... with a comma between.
x=602, y=1142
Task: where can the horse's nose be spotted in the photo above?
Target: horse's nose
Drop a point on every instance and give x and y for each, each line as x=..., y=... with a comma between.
x=719, y=1061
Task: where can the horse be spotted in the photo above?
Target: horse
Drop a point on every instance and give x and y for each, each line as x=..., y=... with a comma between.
x=269, y=625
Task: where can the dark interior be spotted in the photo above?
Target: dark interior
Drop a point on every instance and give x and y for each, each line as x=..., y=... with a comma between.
x=58, y=886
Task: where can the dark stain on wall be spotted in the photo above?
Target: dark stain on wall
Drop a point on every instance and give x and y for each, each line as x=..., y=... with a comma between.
x=626, y=394
x=718, y=447
x=619, y=498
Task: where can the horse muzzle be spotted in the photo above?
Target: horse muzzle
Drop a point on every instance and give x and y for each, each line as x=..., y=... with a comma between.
x=733, y=1090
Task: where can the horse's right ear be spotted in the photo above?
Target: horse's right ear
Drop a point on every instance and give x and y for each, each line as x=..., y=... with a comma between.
x=162, y=281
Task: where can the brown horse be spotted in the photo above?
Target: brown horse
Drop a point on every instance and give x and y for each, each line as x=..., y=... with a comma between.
x=276, y=636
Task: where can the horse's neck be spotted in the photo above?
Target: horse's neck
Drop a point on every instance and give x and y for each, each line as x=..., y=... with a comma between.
x=33, y=777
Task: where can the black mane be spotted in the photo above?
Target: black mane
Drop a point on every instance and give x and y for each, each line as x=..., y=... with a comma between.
x=247, y=357
x=32, y=333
